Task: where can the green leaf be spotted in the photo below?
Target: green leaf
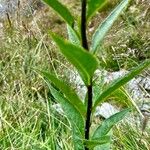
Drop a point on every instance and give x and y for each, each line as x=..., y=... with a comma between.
x=107, y=124
x=92, y=143
x=61, y=10
x=106, y=146
x=75, y=118
x=106, y=25
x=121, y=96
x=85, y=63
x=67, y=91
x=120, y=82
x=94, y=6
x=73, y=37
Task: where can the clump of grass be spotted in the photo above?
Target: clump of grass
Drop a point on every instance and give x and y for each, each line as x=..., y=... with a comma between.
x=26, y=118
x=29, y=124
x=128, y=135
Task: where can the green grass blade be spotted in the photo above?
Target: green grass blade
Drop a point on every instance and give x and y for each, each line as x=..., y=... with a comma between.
x=61, y=10
x=107, y=124
x=75, y=118
x=85, y=63
x=67, y=91
x=120, y=82
x=94, y=6
x=106, y=25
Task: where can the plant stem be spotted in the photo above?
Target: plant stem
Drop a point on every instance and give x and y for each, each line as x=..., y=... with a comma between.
x=88, y=114
x=83, y=25
x=89, y=87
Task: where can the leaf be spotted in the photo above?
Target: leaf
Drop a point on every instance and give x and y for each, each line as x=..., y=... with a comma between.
x=106, y=146
x=94, y=6
x=106, y=25
x=67, y=91
x=85, y=63
x=120, y=82
x=122, y=97
x=75, y=118
x=73, y=37
x=92, y=143
x=61, y=10
x=107, y=124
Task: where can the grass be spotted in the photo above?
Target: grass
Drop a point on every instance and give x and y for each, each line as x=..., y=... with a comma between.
x=129, y=136
x=26, y=118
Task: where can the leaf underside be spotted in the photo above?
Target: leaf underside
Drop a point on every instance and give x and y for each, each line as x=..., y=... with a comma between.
x=72, y=35
x=75, y=118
